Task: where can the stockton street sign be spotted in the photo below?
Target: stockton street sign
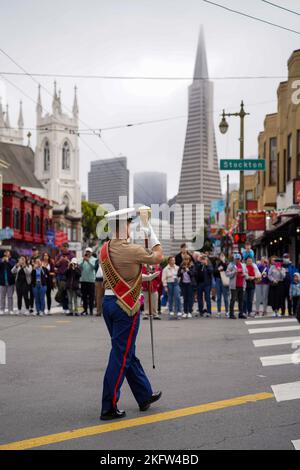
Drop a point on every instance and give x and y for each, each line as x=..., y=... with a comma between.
x=243, y=165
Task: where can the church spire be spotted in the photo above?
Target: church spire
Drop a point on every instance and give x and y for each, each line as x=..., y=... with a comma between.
x=2, y=123
x=7, y=121
x=39, y=108
x=59, y=101
x=55, y=101
x=21, y=120
x=75, y=103
x=201, y=69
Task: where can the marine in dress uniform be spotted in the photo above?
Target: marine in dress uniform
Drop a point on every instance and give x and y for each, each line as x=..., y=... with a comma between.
x=121, y=263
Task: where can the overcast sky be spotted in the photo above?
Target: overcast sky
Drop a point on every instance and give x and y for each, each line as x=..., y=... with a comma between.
x=146, y=38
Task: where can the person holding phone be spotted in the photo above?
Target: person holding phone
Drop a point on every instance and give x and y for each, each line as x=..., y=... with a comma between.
x=88, y=278
x=238, y=274
x=262, y=286
x=277, y=291
x=22, y=271
x=7, y=282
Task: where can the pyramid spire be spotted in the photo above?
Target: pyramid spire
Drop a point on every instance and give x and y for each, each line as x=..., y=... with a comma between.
x=201, y=68
x=7, y=121
x=39, y=108
x=75, y=103
x=21, y=120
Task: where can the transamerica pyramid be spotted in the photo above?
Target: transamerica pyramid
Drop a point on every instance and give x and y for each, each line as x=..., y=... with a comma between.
x=200, y=177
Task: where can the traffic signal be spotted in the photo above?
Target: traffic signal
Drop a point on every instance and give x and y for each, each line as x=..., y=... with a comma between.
x=240, y=238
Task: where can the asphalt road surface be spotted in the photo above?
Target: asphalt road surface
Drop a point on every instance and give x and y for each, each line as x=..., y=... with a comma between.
x=226, y=385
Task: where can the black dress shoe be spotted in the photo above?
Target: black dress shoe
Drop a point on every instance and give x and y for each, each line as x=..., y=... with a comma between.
x=154, y=397
x=113, y=414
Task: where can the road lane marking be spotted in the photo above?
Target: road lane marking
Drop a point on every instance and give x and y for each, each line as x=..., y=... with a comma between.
x=131, y=423
x=278, y=360
x=260, y=343
x=273, y=330
x=286, y=392
x=274, y=320
x=296, y=444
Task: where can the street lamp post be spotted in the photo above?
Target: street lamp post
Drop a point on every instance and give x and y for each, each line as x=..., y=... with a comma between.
x=223, y=129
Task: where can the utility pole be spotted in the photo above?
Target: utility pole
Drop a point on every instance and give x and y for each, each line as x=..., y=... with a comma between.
x=227, y=215
x=224, y=128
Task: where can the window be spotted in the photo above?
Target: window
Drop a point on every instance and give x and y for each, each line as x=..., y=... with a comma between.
x=284, y=170
x=273, y=162
x=66, y=156
x=46, y=156
x=7, y=217
x=16, y=219
x=264, y=173
x=27, y=222
x=37, y=225
x=249, y=196
x=289, y=158
x=298, y=153
x=46, y=225
x=278, y=177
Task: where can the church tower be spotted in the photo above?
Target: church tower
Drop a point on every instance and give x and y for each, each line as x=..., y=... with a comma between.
x=57, y=154
x=9, y=134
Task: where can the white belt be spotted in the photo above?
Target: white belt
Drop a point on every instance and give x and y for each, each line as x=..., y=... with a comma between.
x=109, y=292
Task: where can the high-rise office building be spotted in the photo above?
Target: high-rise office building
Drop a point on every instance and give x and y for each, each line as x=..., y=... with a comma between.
x=108, y=180
x=150, y=187
x=200, y=177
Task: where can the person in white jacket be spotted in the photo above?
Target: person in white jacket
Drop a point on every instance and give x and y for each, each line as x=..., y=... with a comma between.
x=171, y=284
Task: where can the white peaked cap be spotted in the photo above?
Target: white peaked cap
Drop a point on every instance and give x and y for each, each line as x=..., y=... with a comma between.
x=122, y=214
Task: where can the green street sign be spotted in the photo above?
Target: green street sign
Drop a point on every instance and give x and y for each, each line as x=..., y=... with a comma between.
x=243, y=165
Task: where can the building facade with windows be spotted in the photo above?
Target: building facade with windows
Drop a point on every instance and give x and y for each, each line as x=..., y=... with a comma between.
x=276, y=188
x=108, y=180
x=28, y=215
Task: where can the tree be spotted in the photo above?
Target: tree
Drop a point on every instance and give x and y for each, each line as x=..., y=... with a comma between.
x=90, y=219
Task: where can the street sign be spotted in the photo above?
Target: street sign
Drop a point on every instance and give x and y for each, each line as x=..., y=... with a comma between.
x=243, y=165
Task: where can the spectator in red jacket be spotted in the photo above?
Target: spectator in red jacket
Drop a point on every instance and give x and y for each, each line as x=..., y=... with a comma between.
x=154, y=289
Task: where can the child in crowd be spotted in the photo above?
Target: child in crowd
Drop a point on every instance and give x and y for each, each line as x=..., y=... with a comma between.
x=295, y=292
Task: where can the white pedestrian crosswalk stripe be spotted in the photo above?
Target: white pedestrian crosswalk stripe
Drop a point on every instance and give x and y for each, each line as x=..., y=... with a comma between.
x=280, y=321
x=284, y=392
x=296, y=444
x=275, y=329
x=277, y=360
x=260, y=343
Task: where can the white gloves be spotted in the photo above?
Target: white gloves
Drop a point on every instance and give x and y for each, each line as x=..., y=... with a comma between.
x=150, y=235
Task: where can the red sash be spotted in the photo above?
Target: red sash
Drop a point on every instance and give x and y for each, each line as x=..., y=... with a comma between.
x=128, y=296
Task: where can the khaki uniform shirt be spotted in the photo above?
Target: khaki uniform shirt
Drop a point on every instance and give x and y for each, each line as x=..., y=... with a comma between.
x=127, y=259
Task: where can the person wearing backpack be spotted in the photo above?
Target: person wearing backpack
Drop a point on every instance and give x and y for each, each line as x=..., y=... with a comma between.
x=73, y=274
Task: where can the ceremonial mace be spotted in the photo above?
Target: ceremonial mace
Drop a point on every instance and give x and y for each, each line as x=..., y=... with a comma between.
x=145, y=214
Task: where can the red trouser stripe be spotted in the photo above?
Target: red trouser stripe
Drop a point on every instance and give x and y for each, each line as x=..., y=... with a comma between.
x=124, y=359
